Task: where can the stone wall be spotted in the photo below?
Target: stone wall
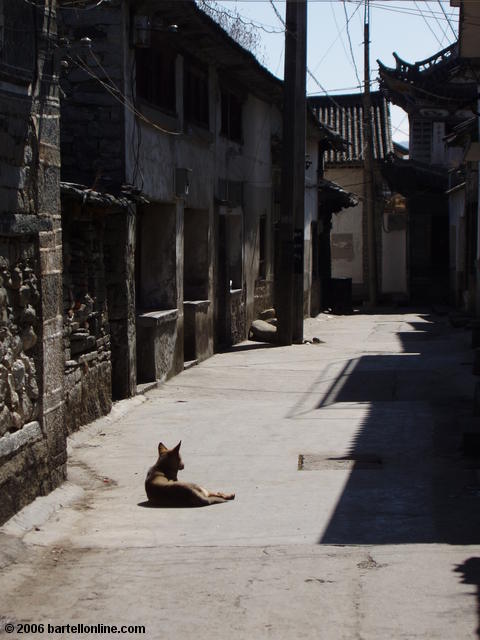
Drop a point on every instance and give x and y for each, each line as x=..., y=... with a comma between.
x=237, y=316
x=32, y=437
x=19, y=305
x=263, y=296
x=88, y=370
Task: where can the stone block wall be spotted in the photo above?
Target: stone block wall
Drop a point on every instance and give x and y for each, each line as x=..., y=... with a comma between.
x=263, y=296
x=86, y=333
x=238, y=316
x=32, y=437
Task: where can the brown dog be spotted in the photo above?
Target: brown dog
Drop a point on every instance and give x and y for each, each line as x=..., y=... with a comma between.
x=164, y=490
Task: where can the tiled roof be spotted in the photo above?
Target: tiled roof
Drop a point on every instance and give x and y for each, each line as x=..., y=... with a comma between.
x=344, y=114
x=442, y=82
x=333, y=197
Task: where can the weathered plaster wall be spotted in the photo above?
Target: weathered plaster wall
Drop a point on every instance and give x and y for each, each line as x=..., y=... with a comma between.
x=347, y=244
x=394, y=255
x=259, y=120
x=151, y=164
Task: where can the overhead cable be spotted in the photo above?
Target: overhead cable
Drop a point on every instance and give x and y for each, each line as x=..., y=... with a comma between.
x=448, y=19
x=350, y=44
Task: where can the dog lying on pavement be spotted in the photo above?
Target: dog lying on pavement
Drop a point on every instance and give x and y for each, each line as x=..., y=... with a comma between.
x=164, y=490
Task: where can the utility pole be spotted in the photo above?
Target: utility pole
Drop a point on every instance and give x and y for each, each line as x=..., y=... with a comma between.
x=289, y=289
x=369, y=168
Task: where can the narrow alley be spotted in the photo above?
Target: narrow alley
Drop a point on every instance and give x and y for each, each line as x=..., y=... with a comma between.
x=357, y=491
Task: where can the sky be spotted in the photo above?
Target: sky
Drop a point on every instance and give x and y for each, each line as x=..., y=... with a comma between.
x=415, y=29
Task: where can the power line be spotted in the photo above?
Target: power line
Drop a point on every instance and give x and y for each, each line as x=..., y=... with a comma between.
x=428, y=24
x=336, y=39
x=448, y=19
x=444, y=32
x=278, y=14
x=338, y=32
x=119, y=96
x=407, y=9
x=343, y=89
x=350, y=44
x=309, y=73
x=71, y=4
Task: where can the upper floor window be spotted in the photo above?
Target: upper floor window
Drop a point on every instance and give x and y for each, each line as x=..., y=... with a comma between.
x=17, y=53
x=155, y=77
x=231, y=123
x=196, y=103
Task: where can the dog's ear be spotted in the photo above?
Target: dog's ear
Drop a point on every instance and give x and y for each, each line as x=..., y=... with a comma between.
x=161, y=448
x=177, y=448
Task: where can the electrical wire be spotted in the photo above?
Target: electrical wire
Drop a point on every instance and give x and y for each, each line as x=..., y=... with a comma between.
x=444, y=31
x=120, y=97
x=336, y=39
x=350, y=44
x=277, y=13
x=343, y=89
x=73, y=4
x=309, y=73
x=428, y=24
x=448, y=19
x=338, y=31
x=407, y=10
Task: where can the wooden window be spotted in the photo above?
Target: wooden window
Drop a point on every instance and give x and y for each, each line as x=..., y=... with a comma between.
x=231, y=124
x=196, y=103
x=155, y=77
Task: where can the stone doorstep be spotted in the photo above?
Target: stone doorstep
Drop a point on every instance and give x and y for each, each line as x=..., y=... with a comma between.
x=147, y=386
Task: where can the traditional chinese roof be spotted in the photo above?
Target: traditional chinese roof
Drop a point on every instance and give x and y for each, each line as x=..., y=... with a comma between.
x=439, y=85
x=344, y=115
x=463, y=132
x=333, y=198
x=413, y=178
x=329, y=139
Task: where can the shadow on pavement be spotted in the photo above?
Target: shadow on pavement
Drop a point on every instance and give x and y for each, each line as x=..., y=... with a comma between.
x=250, y=346
x=470, y=572
x=417, y=407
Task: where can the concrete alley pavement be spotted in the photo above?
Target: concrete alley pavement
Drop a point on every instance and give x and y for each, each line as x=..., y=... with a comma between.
x=356, y=513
